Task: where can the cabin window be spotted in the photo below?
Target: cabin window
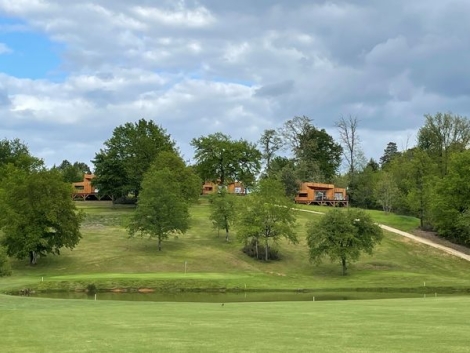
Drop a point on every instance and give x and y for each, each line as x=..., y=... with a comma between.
x=303, y=194
x=79, y=187
x=339, y=196
x=320, y=195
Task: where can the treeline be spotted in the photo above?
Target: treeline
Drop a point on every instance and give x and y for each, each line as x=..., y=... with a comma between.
x=429, y=181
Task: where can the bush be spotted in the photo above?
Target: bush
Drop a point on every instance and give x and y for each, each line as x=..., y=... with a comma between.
x=5, y=268
x=250, y=250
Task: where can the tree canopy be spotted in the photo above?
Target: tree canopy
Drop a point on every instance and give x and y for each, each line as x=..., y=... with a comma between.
x=72, y=173
x=342, y=236
x=265, y=216
x=162, y=209
x=221, y=159
x=37, y=214
x=17, y=153
x=127, y=155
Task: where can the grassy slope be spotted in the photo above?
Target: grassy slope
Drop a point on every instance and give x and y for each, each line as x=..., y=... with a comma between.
x=433, y=325
x=106, y=257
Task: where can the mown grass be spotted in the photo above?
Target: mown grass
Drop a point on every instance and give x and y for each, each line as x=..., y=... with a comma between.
x=432, y=325
x=107, y=258
x=404, y=223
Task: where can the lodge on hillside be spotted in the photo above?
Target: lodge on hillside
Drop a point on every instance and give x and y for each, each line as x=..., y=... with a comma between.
x=322, y=195
x=84, y=190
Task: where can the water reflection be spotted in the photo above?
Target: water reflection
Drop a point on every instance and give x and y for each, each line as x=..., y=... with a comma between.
x=209, y=297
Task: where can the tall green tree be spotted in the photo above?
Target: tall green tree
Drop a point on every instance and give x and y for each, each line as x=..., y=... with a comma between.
x=188, y=181
x=221, y=159
x=284, y=169
x=442, y=135
x=72, y=173
x=451, y=201
x=342, y=236
x=365, y=186
x=223, y=211
x=318, y=150
x=266, y=215
x=390, y=152
x=415, y=172
x=127, y=155
x=37, y=214
x=17, y=153
x=162, y=209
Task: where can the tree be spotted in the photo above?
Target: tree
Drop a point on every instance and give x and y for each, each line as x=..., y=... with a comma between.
x=414, y=172
x=188, y=181
x=127, y=155
x=37, y=214
x=451, y=201
x=365, y=186
x=386, y=191
x=443, y=134
x=221, y=159
x=222, y=214
x=266, y=215
x=73, y=172
x=270, y=143
x=5, y=267
x=17, y=153
x=390, y=152
x=317, y=149
x=283, y=169
x=342, y=235
x=293, y=129
x=161, y=207
x=317, y=156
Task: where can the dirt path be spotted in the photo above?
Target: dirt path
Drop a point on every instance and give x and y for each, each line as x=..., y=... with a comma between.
x=444, y=248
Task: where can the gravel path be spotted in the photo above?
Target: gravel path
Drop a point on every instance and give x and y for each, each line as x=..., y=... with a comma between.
x=444, y=248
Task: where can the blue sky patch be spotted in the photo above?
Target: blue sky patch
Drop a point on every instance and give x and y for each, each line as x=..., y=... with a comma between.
x=33, y=54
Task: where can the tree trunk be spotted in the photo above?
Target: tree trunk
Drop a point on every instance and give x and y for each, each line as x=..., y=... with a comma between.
x=226, y=235
x=33, y=257
x=159, y=244
x=343, y=263
x=266, y=251
x=256, y=247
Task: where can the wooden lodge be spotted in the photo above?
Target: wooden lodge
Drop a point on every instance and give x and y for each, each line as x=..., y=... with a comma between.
x=235, y=188
x=84, y=191
x=322, y=195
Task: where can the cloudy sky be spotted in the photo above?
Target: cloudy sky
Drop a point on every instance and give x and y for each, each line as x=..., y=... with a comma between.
x=71, y=71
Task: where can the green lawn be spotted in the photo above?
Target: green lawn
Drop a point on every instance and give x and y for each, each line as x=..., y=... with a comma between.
x=433, y=325
x=107, y=258
x=404, y=223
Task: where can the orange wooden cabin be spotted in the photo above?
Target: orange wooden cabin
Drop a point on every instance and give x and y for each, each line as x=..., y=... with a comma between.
x=235, y=188
x=321, y=194
x=83, y=190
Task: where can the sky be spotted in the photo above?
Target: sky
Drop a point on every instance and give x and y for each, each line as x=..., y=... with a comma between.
x=70, y=72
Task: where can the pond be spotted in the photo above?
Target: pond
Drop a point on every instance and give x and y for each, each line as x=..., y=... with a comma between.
x=210, y=297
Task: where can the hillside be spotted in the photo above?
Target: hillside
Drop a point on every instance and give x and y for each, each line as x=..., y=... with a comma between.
x=107, y=258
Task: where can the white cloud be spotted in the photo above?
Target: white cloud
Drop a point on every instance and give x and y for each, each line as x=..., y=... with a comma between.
x=198, y=67
x=4, y=49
